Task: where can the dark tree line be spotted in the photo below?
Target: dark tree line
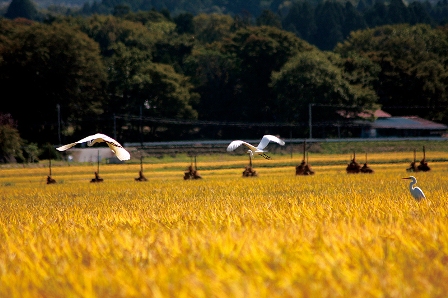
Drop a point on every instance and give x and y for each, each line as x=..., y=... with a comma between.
x=320, y=23
x=328, y=22
x=103, y=73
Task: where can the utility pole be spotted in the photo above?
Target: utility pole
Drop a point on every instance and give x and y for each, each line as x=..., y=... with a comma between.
x=310, y=121
x=115, y=127
x=290, y=139
x=98, y=163
x=58, y=106
x=141, y=126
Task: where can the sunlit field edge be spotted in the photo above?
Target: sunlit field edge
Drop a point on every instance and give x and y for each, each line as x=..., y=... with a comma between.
x=275, y=235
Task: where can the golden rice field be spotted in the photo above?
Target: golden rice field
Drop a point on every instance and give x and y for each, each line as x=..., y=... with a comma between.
x=277, y=235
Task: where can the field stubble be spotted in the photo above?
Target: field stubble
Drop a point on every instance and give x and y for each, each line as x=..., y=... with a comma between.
x=328, y=235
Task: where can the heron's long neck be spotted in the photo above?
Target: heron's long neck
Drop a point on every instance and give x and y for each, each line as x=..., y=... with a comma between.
x=411, y=185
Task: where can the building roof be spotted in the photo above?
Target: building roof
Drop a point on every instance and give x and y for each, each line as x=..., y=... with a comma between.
x=381, y=114
x=376, y=114
x=409, y=122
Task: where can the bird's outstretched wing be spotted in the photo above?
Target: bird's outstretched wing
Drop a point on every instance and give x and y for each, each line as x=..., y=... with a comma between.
x=92, y=137
x=116, y=147
x=65, y=147
x=269, y=138
x=235, y=144
x=119, y=151
x=103, y=137
x=86, y=139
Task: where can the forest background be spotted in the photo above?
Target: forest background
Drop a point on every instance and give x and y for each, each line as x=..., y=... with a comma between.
x=178, y=70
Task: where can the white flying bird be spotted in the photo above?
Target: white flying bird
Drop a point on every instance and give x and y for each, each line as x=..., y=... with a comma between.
x=259, y=149
x=116, y=148
x=416, y=192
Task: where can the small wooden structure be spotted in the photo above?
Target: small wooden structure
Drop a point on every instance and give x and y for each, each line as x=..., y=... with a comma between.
x=97, y=175
x=97, y=178
x=141, y=177
x=192, y=172
x=248, y=170
x=353, y=167
x=422, y=167
x=49, y=179
x=365, y=168
x=304, y=168
x=413, y=166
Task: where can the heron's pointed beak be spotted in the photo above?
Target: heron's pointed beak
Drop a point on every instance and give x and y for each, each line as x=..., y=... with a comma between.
x=406, y=178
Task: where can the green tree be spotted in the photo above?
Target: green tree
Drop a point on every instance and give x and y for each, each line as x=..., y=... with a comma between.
x=108, y=31
x=314, y=78
x=418, y=13
x=353, y=20
x=268, y=18
x=413, y=67
x=439, y=12
x=7, y=30
x=48, y=65
x=163, y=93
x=397, y=12
x=121, y=10
x=214, y=75
x=173, y=50
x=242, y=6
x=137, y=54
x=10, y=140
x=124, y=46
x=147, y=18
x=137, y=83
x=32, y=152
x=329, y=17
x=300, y=20
x=358, y=70
x=362, y=6
x=276, y=5
x=22, y=9
x=376, y=15
x=259, y=51
x=124, y=65
x=184, y=23
x=210, y=28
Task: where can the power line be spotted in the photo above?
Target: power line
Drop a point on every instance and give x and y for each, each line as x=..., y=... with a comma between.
x=207, y=122
x=160, y=120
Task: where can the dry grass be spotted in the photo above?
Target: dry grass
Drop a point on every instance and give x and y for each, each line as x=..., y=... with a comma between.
x=328, y=235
